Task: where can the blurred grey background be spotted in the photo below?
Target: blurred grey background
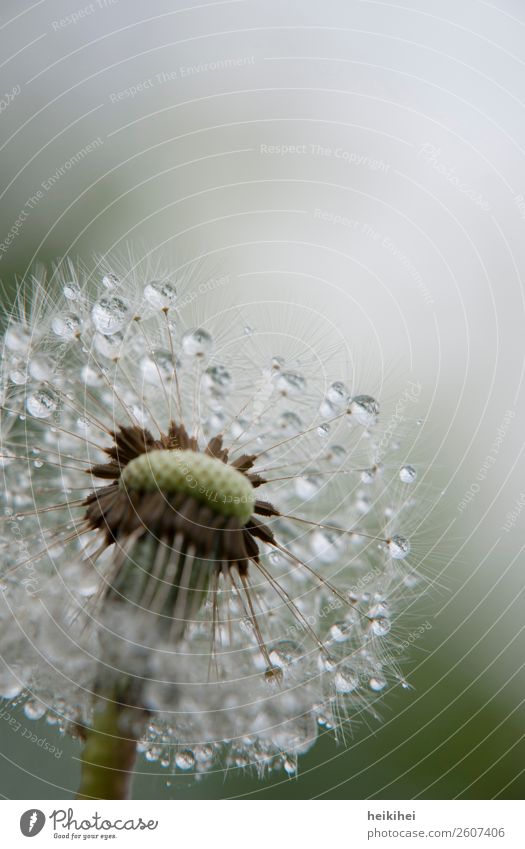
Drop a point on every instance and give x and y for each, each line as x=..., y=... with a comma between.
x=362, y=159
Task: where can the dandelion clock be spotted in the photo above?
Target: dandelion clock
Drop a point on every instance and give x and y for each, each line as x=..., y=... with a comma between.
x=205, y=547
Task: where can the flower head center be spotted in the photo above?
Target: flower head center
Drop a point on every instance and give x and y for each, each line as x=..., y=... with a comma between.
x=208, y=480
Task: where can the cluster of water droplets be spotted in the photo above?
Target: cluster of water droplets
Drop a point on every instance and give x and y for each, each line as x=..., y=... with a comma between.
x=110, y=353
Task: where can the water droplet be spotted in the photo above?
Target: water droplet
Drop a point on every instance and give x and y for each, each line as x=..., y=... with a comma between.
x=346, y=679
x=108, y=346
x=185, y=760
x=289, y=422
x=327, y=662
x=407, y=474
x=110, y=315
x=110, y=281
x=158, y=367
x=341, y=631
x=196, y=343
x=337, y=394
x=38, y=464
x=326, y=545
x=41, y=404
x=66, y=326
x=285, y=653
x=365, y=410
x=368, y=475
x=17, y=339
x=161, y=294
x=273, y=675
x=215, y=423
x=289, y=766
x=335, y=455
x=41, y=367
x=72, y=291
x=277, y=363
x=91, y=376
x=153, y=754
x=377, y=684
x=248, y=330
x=323, y=431
x=217, y=378
x=10, y=685
x=380, y=626
x=34, y=709
x=327, y=410
x=399, y=547
x=291, y=383
x=18, y=376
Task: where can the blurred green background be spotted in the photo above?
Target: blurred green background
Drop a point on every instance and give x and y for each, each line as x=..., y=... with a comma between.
x=406, y=121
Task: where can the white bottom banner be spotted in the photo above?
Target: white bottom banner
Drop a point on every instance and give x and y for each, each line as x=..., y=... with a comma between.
x=262, y=824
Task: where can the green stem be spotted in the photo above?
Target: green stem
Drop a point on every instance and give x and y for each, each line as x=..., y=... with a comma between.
x=110, y=750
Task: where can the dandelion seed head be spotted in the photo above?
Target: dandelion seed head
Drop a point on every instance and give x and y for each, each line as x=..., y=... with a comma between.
x=186, y=504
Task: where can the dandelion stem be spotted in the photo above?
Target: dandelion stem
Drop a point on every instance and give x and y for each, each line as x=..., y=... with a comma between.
x=110, y=749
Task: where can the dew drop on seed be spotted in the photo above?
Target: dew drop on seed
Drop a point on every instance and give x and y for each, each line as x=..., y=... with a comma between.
x=291, y=383
x=327, y=663
x=18, y=376
x=216, y=378
x=337, y=394
x=108, y=346
x=185, y=760
x=289, y=766
x=17, y=339
x=157, y=367
x=341, y=631
x=380, y=626
x=196, y=343
x=109, y=315
x=215, y=423
x=41, y=367
x=91, y=376
x=38, y=464
x=160, y=293
x=327, y=410
x=277, y=363
x=110, y=281
x=34, y=709
x=377, y=684
x=66, y=326
x=336, y=455
x=399, y=547
x=152, y=755
x=289, y=423
x=284, y=653
x=407, y=474
x=364, y=410
x=10, y=686
x=325, y=545
x=368, y=475
x=72, y=291
x=41, y=404
x=346, y=679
